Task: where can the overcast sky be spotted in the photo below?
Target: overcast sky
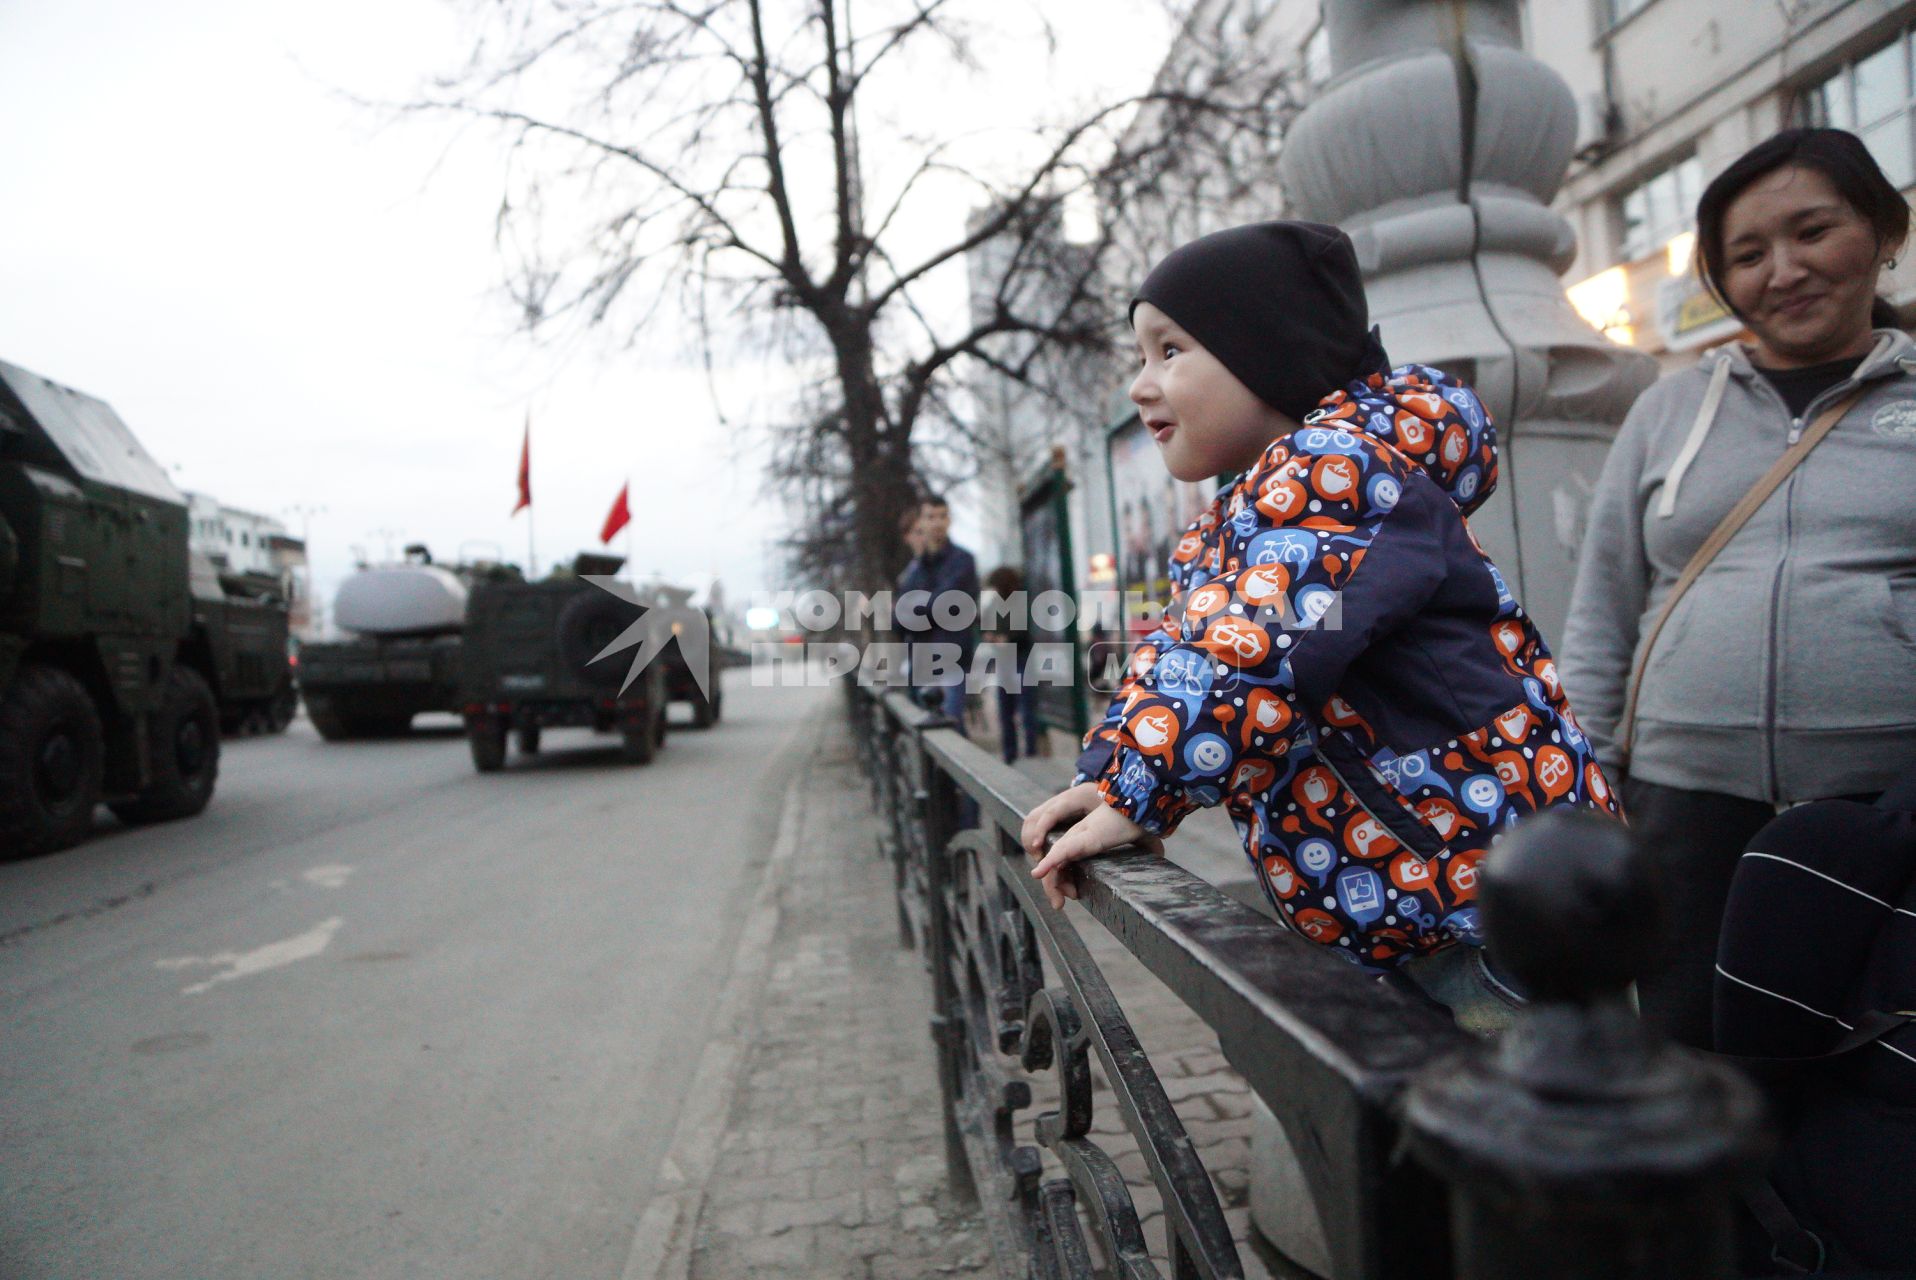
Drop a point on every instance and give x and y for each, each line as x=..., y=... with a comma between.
x=293, y=303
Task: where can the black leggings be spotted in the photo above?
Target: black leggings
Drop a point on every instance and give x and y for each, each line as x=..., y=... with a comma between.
x=1694, y=839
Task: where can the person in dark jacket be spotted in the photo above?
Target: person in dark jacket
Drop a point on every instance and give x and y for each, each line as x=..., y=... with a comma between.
x=908, y=521
x=1817, y=955
x=937, y=606
x=1342, y=666
x=1017, y=701
x=1787, y=673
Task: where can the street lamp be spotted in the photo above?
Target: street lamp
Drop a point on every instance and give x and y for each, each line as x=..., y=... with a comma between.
x=388, y=535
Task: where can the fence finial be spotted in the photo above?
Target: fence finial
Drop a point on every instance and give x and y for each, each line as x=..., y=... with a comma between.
x=1579, y=1146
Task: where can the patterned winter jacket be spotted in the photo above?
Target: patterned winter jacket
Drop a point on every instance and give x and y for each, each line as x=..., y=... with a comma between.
x=1343, y=668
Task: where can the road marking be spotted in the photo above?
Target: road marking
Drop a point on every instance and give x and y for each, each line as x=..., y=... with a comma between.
x=244, y=964
x=330, y=876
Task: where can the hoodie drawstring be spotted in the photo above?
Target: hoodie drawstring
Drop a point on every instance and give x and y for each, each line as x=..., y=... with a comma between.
x=1693, y=443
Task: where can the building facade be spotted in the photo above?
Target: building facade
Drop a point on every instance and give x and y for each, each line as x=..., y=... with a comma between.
x=1670, y=92
x=235, y=540
x=1666, y=93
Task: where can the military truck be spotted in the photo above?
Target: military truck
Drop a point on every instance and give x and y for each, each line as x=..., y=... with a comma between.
x=240, y=640
x=105, y=692
x=529, y=650
x=680, y=684
x=402, y=656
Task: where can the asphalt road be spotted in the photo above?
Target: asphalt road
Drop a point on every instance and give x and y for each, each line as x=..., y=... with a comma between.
x=373, y=1014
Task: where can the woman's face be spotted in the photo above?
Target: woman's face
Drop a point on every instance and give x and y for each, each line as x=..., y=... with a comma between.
x=1205, y=422
x=1800, y=267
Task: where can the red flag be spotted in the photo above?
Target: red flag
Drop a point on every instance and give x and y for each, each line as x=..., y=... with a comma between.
x=619, y=517
x=525, y=470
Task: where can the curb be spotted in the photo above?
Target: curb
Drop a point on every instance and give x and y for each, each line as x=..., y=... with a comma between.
x=662, y=1242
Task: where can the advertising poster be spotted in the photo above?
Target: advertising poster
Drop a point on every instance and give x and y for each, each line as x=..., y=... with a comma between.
x=1047, y=549
x=1149, y=510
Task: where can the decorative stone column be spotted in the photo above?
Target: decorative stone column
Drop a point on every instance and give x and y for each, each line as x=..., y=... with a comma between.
x=1438, y=145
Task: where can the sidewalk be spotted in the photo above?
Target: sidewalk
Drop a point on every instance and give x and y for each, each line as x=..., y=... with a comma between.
x=822, y=1154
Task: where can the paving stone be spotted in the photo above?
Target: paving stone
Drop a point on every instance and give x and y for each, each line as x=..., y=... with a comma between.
x=776, y=1216
x=787, y=1249
x=753, y=1190
x=1234, y=1104
x=833, y=1163
x=1178, y=1088
x=800, y=1158
x=736, y=1221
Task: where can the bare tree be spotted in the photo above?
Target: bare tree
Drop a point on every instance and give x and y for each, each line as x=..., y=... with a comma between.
x=702, y=159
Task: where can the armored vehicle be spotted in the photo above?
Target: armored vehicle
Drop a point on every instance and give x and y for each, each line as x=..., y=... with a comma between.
x=403, y=654
x=529, y=650
x=240, y=640
x=680, y=684
x=104, y=692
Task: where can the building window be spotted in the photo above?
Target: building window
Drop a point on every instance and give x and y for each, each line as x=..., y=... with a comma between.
x=1660, y=208
x=1620, y=9
x=1871, y=98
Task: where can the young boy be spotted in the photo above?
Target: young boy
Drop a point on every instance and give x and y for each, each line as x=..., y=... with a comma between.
x=1341, y=665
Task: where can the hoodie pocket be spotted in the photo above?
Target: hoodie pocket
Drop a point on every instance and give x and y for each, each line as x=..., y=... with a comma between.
x=1902, y=610
x=1849, y=654
x=1707, y=667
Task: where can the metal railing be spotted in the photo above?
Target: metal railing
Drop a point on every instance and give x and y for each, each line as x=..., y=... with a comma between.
x=1573, y=1147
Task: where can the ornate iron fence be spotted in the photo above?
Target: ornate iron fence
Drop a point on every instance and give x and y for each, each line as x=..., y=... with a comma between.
x=1574, y=1128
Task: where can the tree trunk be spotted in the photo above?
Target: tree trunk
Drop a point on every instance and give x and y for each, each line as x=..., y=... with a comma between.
x=881, y=470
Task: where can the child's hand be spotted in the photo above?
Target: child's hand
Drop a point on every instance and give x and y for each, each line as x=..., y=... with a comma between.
x=1095, y=827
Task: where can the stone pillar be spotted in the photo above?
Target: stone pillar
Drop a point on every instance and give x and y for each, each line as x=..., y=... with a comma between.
x=1438, y=145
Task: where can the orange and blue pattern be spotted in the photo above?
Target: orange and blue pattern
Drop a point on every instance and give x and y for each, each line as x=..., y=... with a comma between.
x=1343, y=668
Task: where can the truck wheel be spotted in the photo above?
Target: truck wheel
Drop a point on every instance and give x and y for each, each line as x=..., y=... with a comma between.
x=184, y=743
x=487, y=738
x=52, y=755
x=326, y=718
x=280, y=711
x=529, y=740
x=705, y=711
x=641, y=741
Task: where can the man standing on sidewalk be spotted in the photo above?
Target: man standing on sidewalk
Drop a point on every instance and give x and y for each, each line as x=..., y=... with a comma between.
x=947, y=574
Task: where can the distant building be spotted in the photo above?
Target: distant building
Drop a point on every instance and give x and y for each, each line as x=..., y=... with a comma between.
x=1016, y=423
x=240, y=541
x=1671, y=91
x=1668, y=92
x=1124, y=512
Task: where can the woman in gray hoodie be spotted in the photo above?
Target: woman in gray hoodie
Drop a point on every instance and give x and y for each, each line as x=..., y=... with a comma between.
x=1787, y=672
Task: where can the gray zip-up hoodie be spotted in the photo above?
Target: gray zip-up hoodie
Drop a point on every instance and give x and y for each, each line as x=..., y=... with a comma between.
x=1788, y=671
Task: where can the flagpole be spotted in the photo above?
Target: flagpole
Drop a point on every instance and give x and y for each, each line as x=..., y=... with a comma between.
x=532, y=558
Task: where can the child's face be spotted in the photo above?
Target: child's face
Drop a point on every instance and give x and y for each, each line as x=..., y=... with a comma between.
x=1205, y=421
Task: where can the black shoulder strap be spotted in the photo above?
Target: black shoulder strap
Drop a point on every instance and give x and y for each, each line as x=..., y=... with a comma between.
x=1870, y=1028
x=1792, y=1244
